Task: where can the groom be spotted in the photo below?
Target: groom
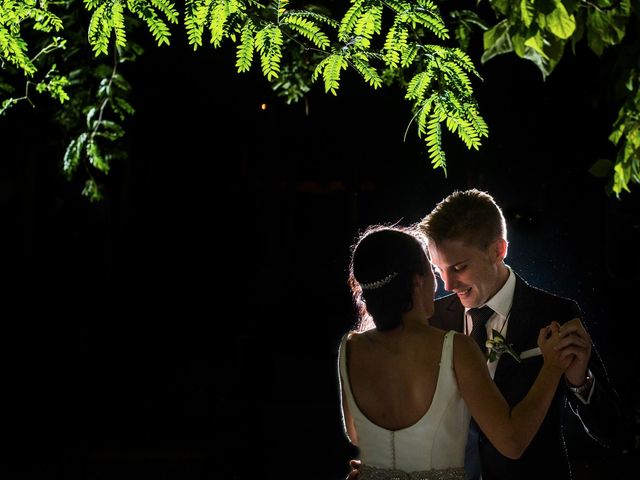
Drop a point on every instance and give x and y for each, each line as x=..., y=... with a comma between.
x=467, y=239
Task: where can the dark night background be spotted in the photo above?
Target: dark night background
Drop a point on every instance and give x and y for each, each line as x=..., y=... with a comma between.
x=187, y=326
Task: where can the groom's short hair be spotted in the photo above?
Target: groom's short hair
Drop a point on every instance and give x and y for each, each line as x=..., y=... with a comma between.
x=470, y=215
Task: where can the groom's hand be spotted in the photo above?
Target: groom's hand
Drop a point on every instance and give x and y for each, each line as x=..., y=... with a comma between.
x=576, y=341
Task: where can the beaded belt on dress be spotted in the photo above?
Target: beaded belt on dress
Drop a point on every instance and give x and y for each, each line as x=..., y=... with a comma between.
x=367, y=472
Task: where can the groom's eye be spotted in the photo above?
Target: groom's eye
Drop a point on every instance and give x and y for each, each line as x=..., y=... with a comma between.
x=459, y=268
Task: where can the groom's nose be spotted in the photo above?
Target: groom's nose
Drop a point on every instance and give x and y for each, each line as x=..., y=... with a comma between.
x=449, y=281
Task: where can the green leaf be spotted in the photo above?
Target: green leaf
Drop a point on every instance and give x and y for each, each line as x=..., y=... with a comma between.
x=543, y=49
x=559, y=22
x=601, y=168
x=434, y=142
x=418, y=86
x=268, y=43
x=219, y=16
x=330, y=68
x=501, y=6
x=244, y=52
x=95, y=156
x=369, y=24
x=621, y=177
x=527, y=11
x=606, y=27
x=349, y=20
x=308, y=29
x=536, y=43
x=496, y=41
x=369, y=73
x=72, y=155
x=92, y=191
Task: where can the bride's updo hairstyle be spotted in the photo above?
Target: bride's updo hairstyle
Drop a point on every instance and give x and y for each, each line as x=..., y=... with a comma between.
x=384, y=260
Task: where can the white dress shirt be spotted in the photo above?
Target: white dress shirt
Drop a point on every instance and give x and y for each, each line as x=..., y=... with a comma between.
x=500, y=303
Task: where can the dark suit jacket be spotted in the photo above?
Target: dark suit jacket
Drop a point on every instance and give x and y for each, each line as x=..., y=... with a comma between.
x=546, y=457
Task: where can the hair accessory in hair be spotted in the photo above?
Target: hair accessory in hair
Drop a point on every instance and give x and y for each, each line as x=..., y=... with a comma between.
x=379, y=283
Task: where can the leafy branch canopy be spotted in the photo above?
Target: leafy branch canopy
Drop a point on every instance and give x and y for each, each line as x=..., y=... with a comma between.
x=71, y=51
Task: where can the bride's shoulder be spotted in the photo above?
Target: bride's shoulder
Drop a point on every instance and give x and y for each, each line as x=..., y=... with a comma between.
x=463, y=343
x=353, y=337
x=467, y=356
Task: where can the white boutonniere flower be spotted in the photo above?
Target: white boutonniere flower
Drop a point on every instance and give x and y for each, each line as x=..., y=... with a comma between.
x=497, y=345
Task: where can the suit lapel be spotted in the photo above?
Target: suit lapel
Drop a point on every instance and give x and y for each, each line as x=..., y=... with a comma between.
x=449, y=314
x=520, y=319
x=520, y=331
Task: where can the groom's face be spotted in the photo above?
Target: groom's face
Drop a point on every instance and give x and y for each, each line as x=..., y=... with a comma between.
x=471, y=273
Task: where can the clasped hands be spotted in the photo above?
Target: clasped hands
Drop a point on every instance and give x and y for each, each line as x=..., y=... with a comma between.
x=568, y=346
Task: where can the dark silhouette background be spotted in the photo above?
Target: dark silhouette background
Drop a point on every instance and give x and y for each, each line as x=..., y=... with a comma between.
x=187, y=326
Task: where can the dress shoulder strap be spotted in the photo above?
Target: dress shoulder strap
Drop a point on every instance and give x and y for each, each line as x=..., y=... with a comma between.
x=343, y=381
x=447, y=349
x=342, y=364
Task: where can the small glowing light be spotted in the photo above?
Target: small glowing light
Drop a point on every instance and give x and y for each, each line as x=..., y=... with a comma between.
x=263, y=106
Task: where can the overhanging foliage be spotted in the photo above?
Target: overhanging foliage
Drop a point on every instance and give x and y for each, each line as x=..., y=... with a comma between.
x=71, y=50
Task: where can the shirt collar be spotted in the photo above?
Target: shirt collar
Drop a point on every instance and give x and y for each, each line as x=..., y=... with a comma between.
x=502, y=300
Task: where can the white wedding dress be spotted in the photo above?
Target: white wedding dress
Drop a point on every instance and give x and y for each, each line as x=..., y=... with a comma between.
x=431, y=449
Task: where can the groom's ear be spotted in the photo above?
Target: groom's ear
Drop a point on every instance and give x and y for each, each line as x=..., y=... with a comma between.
x=499, y=249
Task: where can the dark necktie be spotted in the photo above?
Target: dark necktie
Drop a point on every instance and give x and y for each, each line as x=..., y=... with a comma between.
x=479, y=317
